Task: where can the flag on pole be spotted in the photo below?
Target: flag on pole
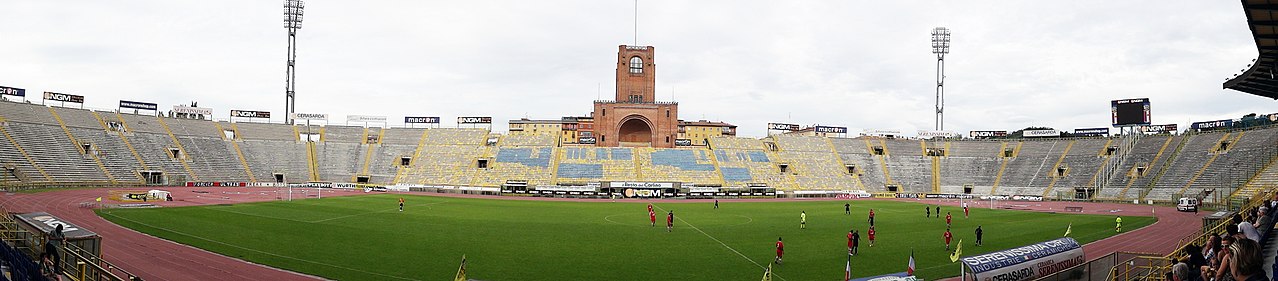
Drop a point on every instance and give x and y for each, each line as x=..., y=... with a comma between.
x=847, y=271
x=1067, y=229
x=957, y=251
x=767, y=274
x=910, y=270
x=461, y=271
x=99, y=199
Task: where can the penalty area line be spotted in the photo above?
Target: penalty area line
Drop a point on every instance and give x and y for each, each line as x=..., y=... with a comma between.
x=725, y=245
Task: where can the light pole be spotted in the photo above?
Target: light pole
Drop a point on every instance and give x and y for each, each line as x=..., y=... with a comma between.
x=940, y=47
x=292, y=22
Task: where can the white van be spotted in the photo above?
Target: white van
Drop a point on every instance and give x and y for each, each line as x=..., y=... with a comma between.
x=1187, y=204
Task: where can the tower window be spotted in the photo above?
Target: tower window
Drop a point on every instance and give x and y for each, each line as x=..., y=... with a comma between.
x=636, y=65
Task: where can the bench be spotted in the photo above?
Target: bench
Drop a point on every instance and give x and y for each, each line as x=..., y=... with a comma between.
x=1074, y=209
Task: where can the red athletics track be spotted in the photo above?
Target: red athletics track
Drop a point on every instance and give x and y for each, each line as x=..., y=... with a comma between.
x=156, y=259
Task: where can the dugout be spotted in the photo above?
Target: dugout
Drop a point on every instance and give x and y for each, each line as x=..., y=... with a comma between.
x=39, y=224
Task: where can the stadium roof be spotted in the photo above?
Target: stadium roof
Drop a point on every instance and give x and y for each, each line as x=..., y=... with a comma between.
x=1259, y=78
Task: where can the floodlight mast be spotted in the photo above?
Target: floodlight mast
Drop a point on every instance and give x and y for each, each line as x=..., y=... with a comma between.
x=940, y=47
x=292, y=22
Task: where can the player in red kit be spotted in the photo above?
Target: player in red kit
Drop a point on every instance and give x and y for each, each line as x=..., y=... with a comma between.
x=947, y=219
x=965, y=214
x=652, y=217
x=871, y=234
x=948, y=236
x=849, y=242
x=871, y=217
x=780, y=251
x=649, y=207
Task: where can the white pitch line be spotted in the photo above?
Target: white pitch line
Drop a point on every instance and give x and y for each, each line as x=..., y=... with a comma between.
x=774, y=274
x=258, y=251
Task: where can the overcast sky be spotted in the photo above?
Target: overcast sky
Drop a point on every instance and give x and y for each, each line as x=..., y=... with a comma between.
x=857, y=64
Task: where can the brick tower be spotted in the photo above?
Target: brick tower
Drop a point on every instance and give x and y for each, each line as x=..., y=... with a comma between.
x=635, y=118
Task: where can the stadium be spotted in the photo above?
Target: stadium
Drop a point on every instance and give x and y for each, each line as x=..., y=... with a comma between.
x=141, y=192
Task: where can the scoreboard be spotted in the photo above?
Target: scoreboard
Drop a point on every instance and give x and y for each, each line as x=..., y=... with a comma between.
x=1130, y=112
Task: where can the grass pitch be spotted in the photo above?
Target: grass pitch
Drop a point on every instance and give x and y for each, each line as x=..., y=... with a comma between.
x=367, y=238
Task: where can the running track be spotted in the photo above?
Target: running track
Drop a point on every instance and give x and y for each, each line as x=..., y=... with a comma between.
x=153, y=258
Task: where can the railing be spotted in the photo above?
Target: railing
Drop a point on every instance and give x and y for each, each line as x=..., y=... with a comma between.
x=77, y=263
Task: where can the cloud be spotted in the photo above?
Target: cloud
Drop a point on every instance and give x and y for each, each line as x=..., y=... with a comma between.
x=858, y=64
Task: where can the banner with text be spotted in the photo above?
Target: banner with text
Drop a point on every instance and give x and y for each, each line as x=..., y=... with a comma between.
x=990, y=262
x=138, y=105
x=1209, y=125
x=880, y=132
x=309, y=116
x=986, y=134
x=1040, y=133
x=1158, y=129
x=1091, y=132
x=250, y=114
x=474, y=120
x=936, y=134
x=831, y=130
x=63, y=97
x=192, y=110
x=421, y=120
x=783, y=127
x=365, y=119
x=10, y=91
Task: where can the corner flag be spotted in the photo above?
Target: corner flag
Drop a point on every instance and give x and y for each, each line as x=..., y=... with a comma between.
x=461, y=271
x=957, y=251
x=1067, y=229
x=99, y=199
x=847, y=271
x=910, y=270
x=767, y=274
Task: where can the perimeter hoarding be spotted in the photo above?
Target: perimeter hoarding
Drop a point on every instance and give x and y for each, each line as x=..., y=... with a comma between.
x=1024, y=263
x=783, y=127
x=10, y=91
x=421, y=120
x=138, y=105
x=474, y=120
x=1040, y=133
x=250, y=114
x=986, y=134
x=63, y=97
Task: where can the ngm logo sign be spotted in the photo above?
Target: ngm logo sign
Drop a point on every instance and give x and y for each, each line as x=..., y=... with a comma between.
x=63, y=97
x=474, y=120
x=642, y=193
x=250, y=114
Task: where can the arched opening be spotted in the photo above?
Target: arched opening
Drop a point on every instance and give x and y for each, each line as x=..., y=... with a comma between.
x=636, y=65
x=635, y=132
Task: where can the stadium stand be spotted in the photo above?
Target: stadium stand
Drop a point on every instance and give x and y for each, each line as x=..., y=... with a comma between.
x=43, y=144
x=974, y=163
x=339, y=161
x=695, y=166
x=1142, y=161
x=744, y=161
x=580, y=164
x=263, y=131
x=813, y=164
x=856, y=154
x=1190, y=158
x=344, y=134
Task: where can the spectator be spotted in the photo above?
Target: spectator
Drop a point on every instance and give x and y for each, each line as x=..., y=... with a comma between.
x=47, y=268
x=1249, y=231
x=1180, y=272
x=1246, y=261
x=1213, y=247
x=1221, y=268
